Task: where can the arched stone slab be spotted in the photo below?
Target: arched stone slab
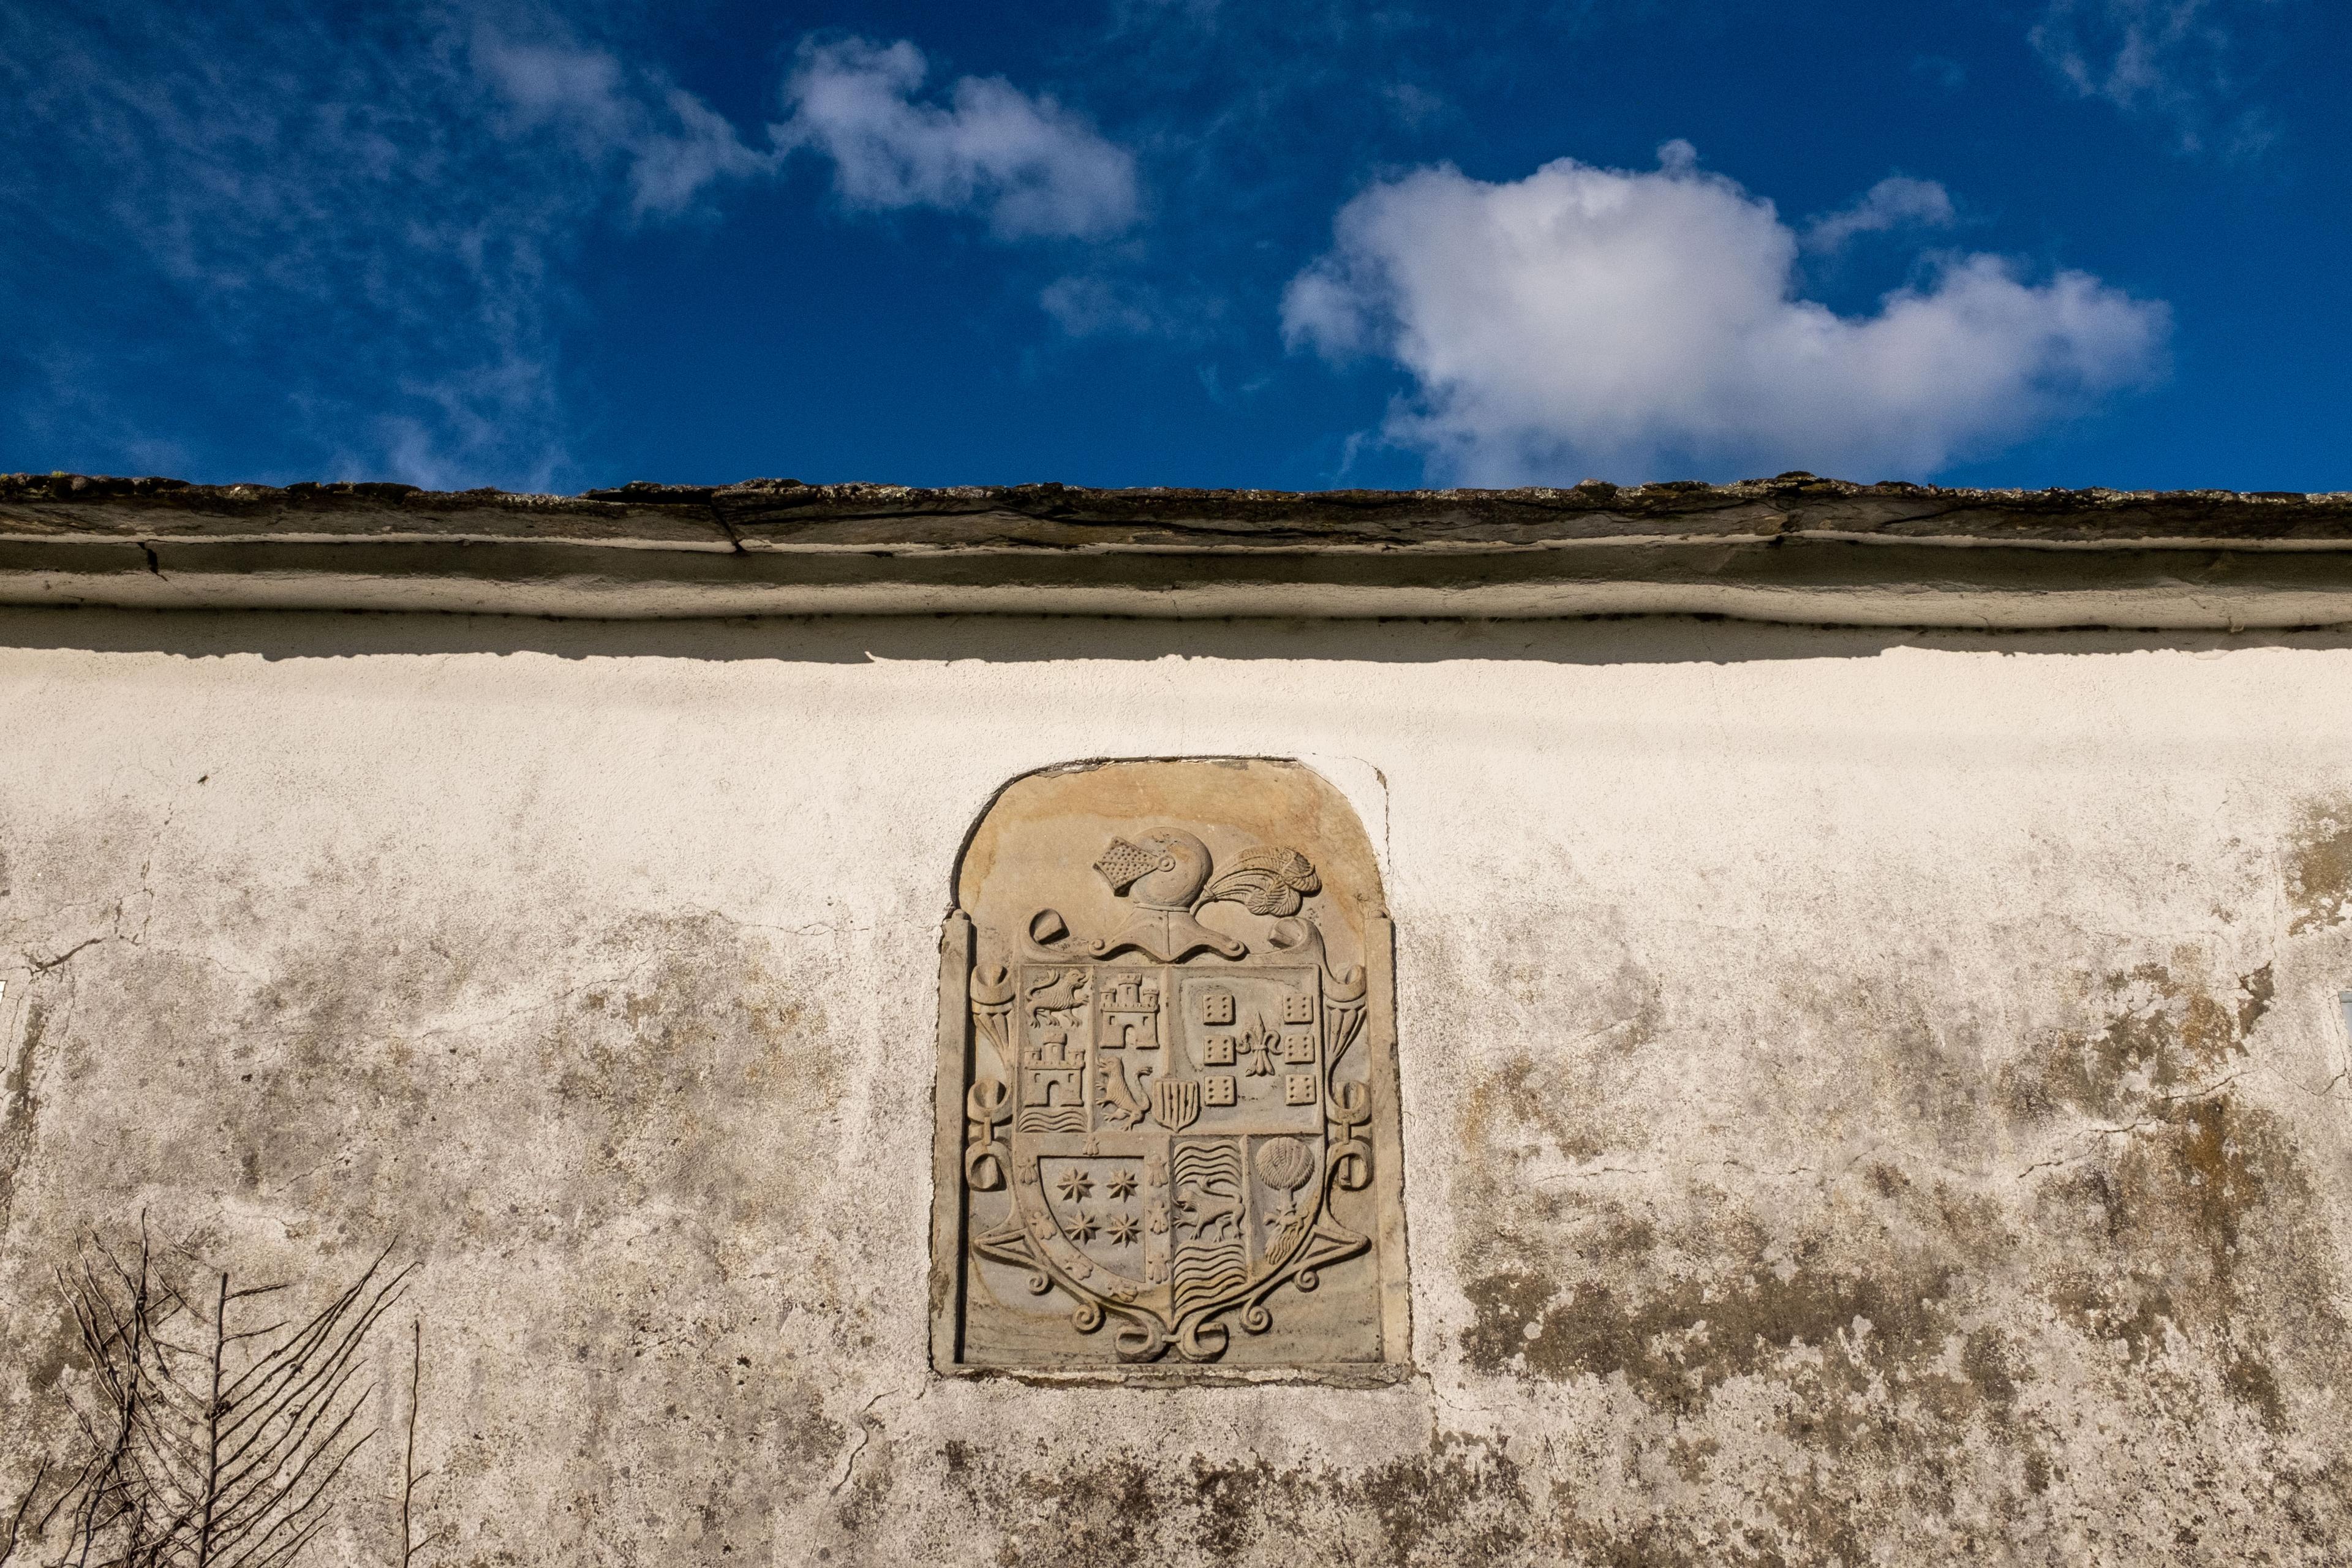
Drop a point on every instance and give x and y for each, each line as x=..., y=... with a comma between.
x=1168, y=1141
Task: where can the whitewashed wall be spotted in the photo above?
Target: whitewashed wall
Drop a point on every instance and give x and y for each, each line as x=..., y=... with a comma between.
x=1867, y=1097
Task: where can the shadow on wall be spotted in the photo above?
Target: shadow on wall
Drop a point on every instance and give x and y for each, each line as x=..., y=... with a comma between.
x=1012, y=639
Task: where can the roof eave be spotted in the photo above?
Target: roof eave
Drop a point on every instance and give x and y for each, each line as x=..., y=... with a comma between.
x=1795, y=549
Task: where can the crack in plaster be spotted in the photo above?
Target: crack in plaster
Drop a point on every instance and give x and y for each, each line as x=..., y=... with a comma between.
x=866, y=1429
x=2131, y=1128
x=43, y=965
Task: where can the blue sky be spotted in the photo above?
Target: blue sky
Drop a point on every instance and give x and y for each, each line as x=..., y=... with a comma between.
x=1186, y=242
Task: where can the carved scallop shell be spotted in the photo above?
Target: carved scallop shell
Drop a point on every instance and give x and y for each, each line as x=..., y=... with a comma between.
x=1284, y=1162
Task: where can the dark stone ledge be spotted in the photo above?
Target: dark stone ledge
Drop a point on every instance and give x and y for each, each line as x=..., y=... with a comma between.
x=1795, y=548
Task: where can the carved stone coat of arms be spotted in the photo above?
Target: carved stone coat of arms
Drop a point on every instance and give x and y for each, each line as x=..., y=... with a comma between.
x=1168, y=1124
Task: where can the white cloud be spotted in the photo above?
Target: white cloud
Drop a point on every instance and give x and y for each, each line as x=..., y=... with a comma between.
x=1035, y=168
x=365, y=225
x=1893, y=202
x=2178, y=61
x=336, y=212
x=674, y=144
x=1589, y=321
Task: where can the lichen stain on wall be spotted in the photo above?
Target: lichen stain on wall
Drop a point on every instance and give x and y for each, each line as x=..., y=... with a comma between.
x=1462, y=1500
x=2319, y=869
x=22, y=1096
x=595, y=1134
x=1910, y=1328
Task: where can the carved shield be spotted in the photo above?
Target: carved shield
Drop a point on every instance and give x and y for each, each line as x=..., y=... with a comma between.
x=1176, y=1102
x=1163, y=1123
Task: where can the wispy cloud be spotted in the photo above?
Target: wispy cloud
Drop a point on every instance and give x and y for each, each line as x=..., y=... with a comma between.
x=1589, y=321
x=374, y=217
x=1946, y=73
x=2184, y=64
x=1098, y=308
x=1895, y=202
x=365, y=215
x=1032, y=166
x=673, y=144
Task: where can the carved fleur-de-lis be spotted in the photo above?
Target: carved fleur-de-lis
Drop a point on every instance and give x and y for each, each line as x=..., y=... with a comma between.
x=1256, y=1043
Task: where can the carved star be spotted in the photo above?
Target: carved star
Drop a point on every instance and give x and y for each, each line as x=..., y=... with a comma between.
x=1075, y=1184
x=1121, y=1228
x=1082, y=1228
x=1121, y=1185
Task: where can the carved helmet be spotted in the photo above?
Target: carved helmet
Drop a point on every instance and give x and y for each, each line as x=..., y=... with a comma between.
x=1166, y=871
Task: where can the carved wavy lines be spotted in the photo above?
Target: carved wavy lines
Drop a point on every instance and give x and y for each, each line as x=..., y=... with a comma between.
x=1203, y=1274
x=1215, y=1259
x=1066, y=1119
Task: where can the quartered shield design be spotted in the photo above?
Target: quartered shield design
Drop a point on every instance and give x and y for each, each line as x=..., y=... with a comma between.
x=1172, y=1130
x=1174, y=1138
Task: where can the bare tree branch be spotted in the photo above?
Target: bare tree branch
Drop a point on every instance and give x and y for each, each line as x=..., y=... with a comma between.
x=410, y=1481
x=24, y=1506
x=220, y=1445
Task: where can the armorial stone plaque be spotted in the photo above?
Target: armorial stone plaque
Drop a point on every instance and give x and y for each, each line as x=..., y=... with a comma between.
x=1168, y=1141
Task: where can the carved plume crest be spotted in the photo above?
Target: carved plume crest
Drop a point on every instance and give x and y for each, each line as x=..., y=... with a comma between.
x=1267, y=881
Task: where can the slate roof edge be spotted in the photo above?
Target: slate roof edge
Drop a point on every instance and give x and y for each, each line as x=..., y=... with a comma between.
x=1794, y=548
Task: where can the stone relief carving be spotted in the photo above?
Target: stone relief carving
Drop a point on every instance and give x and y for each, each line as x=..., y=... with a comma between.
x=1166, y=1073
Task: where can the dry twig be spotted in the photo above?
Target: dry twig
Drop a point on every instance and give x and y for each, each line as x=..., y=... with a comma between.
x=213, y=1444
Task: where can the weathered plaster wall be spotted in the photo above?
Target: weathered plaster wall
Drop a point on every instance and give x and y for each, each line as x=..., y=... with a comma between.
x=1868, y=1099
